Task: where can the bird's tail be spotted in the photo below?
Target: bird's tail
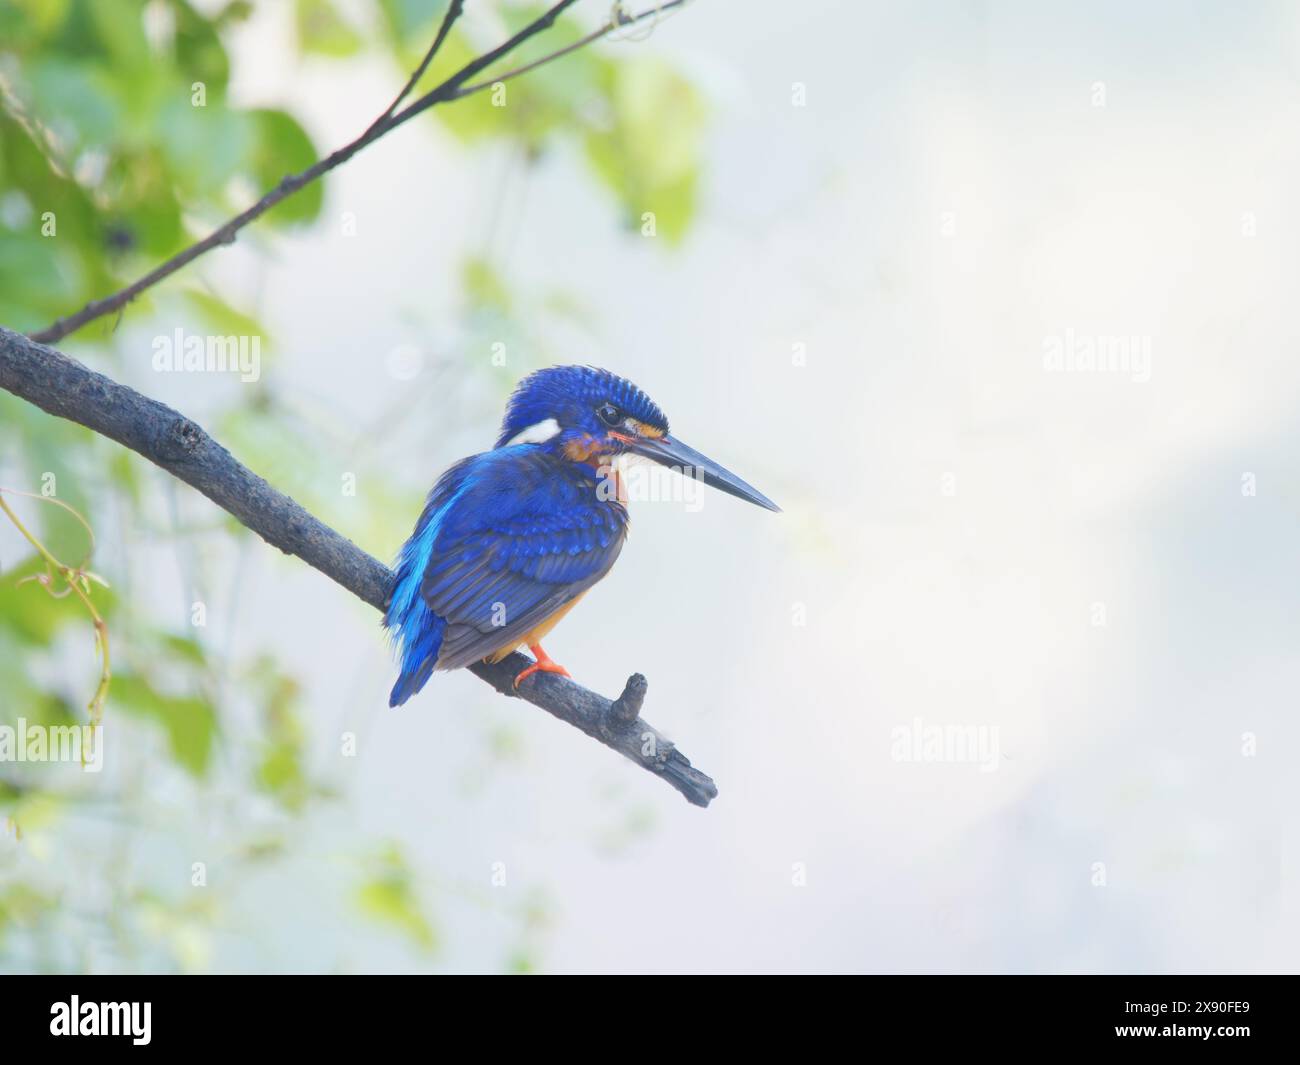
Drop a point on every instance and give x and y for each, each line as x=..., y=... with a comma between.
x=416, y=630
x=419, y=640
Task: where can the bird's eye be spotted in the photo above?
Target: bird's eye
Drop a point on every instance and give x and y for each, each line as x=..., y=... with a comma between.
x=609, y=414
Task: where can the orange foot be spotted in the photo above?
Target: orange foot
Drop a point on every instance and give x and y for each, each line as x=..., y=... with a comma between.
x=542, y=665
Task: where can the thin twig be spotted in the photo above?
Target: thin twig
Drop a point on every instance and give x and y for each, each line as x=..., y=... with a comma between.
x=618, y=20
x=90, y=533
x=453, y=13
x=76, y=579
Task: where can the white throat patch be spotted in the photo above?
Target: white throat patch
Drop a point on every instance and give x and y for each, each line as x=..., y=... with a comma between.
x=536, y=434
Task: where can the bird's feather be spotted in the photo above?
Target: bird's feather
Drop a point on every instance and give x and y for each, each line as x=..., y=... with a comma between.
x=526, y=535
x=507, y=538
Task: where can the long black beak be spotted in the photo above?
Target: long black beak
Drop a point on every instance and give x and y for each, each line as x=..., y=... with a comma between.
x=674, y=454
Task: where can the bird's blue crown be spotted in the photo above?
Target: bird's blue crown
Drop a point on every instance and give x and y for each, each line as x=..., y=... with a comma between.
x=575, y=397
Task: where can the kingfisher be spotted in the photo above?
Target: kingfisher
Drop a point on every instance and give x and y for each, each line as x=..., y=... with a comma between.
x=509, y=540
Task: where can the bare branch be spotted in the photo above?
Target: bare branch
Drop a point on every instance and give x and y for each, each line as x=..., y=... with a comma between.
x=64, y=387
x=619, y=19
x=453, y=13
x=453, y=88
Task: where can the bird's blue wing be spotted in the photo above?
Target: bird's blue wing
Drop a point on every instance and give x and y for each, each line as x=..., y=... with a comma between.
x=416, y=631
x=521, y=538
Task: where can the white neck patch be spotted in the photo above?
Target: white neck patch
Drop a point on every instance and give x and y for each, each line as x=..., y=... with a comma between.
x=536, y=434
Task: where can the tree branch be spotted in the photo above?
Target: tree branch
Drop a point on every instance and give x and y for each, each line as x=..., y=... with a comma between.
x=453, y=88
x=453, y=13
x=618, y=19
x=64, y=387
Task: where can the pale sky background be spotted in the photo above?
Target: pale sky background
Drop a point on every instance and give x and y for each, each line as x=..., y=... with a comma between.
x=951, y=200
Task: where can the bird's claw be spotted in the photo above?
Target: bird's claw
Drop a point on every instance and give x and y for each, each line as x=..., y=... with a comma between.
x=542, y=665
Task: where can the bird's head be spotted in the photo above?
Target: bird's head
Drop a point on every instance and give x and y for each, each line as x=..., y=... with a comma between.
x=585, y=414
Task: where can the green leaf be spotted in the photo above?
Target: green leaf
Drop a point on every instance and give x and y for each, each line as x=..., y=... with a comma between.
x=204, y=147
x=322, y=30
x=190, y=722
x=283, y=147
x=185, y=647
x=200, y=54
x=280, y=771
x=22, y=905
x=122, y=33
x=221, y=317
x=39, y=707
x=144, y=215
x=125, y=474
x=30, y=275
x=484, y=287
x=408, y=19
x=24, y=21
x=389, y=897
x=76, y=100
x=27, y=610
x=52, y=453
x=649, y=156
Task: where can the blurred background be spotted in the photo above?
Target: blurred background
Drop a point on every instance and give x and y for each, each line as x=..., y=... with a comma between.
x=996, y=299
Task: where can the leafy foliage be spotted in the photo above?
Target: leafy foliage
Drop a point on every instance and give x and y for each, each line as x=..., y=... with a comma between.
x=639, y=122
x=117, y=130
